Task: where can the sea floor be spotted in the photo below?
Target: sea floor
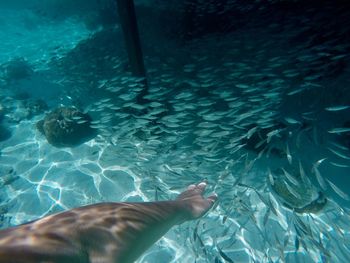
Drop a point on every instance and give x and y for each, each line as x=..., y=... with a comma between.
x=230, y=109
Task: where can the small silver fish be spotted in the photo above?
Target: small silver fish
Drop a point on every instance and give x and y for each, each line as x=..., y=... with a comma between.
x=273, y=204
x=302, y=172
x=339, y=165
x=317, y=164
x=341, y=155
x=337, y=145
x=272, y=181
x=207, y=125
x=251, y=132
x=338, y=191
x=219, y=134
x=290, y=178
x=266, y=216
x=271, y=134
x=320, y=179
x=339, y=130
x=289, y=156
x=337, y=108
x=291, y=120
x=296, y=91
x=292, y=191
x=82, y=121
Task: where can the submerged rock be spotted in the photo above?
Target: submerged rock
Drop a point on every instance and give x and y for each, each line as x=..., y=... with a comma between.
x=8, y=176
x=302, y=198
x=16, y=69
x=66, y=127
x=5, y=133
x=34, y=107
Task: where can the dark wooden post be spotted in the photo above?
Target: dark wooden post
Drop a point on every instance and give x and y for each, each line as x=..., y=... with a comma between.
x=126, y=10
x=128, y=21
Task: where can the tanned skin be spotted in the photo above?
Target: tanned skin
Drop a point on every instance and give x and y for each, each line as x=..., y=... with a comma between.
x=101, y=233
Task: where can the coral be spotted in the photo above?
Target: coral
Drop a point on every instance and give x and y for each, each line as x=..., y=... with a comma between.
x=66, y=127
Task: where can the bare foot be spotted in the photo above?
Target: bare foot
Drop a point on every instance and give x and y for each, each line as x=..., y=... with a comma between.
x=194, y=201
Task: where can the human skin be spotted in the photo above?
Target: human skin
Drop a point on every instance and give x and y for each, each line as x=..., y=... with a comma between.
x=101, y=233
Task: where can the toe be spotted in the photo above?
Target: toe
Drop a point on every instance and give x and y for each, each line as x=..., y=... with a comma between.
x=213, y=198
x=201, y=187
x=191, y=187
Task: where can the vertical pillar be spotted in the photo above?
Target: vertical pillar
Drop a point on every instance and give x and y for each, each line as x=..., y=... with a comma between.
x=127, y=15
x=128, y=21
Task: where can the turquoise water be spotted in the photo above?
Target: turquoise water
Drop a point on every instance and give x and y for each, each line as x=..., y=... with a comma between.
x=250, y=111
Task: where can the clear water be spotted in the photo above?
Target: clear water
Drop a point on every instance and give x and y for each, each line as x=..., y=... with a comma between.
x=209, y=96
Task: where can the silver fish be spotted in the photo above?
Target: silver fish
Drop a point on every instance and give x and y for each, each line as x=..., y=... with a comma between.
x=272, y=133
x=339, y=165
x=290, y=178
x=272, y=181
x=337, y=145
x=338, y=191
x=289, y=156
x=292, y=191
x=251, y=132
x=207, y=125
x=341, y=155
x=81, y=121
x=302, y=172
x=220, y=134
x=317, y=163
x=296, y=91
x=339, y=130
x=266, y=216
x=337, y=108
x=320, y=179
x=291, y=120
